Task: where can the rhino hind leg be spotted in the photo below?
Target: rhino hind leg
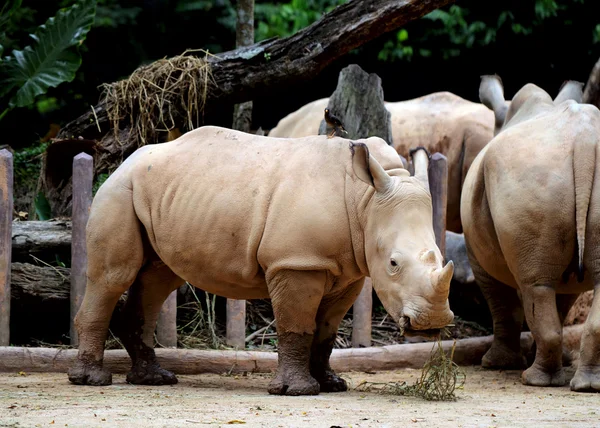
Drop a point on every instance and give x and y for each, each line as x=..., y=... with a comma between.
x=114, y=260
x=331, y=312
x=539, y=302
x=138, y=322
x=587, y=376
x=295, y=296
x=507, y=317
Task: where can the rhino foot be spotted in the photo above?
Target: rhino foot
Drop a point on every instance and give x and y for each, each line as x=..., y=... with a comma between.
x=331, y=382
x=82, y=373
x=535, y=376
x=502, y=357
x=294, y=385
x=152, y=374
x=586, y=380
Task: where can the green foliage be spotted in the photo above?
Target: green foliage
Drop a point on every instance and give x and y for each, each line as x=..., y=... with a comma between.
x=42, y=207
x=27, y=163
x=100, y=179
x=285, y=19
x=460, y=28
x=53, y=59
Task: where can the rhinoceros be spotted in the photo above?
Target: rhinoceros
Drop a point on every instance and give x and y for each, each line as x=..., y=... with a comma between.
x=531, y=215
x=299, y=221
x=440, y=122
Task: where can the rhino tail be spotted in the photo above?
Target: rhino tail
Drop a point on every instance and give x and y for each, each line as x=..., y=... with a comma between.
x=584, y=165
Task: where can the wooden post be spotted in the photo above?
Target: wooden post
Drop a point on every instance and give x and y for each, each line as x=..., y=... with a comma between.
x=236, y=323
x=6, y=213
x=438, y=186
x=83, y=176
x=362, y=312
x=166, y=328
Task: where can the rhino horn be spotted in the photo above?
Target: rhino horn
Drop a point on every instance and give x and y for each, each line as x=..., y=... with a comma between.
x=440, y=278
x=420, y=157
x=428, y=257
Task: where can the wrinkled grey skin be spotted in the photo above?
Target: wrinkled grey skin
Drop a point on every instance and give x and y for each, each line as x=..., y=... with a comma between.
x=456, y=251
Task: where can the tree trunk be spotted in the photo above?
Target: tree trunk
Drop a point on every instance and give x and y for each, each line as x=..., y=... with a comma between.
x=242, y=113
x=240, y=75
x=591, y=95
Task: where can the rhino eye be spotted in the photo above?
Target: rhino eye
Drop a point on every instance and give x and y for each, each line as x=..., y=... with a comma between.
x=393, y=262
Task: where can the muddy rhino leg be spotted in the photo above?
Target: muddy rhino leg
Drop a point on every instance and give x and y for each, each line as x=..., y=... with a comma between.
x=564, y=302
x=295, y=296
x=138, y=322
x=115, y=255
x=92, y=322
x=507, y=316
x=539, y=302
x=587, y=376
x=331, y=312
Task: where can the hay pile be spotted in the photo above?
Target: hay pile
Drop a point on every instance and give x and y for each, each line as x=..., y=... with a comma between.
x=439, y=379
x=158, y=97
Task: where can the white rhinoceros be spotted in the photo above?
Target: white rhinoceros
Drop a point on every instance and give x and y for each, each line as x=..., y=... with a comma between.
x=531, y=217
x=300, y=221
x=441, y=122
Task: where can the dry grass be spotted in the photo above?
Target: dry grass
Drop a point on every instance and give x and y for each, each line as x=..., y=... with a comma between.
x=160, y=96
x=439, y=379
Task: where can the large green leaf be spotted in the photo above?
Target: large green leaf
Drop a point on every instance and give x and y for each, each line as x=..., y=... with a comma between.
x=53, y=58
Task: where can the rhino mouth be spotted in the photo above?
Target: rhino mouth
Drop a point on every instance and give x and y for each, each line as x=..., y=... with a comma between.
x=406, y=329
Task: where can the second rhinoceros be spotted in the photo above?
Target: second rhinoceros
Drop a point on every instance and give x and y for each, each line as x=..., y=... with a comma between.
x=531, y=214
x=299, y=221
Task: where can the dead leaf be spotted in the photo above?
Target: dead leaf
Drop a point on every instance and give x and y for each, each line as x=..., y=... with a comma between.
x=235, y=421
x=12, y=407
x=22, y=374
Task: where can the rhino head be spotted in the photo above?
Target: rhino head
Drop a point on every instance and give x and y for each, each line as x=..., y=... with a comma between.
x=402, y=257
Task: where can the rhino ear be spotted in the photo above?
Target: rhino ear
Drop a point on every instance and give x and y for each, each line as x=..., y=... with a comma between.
x=491, y=95
x=367, y=169
x=570, y=90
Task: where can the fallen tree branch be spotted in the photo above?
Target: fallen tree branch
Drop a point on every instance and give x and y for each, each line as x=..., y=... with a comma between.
x=187, y=361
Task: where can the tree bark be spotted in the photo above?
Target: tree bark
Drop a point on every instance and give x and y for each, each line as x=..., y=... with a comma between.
x=591, y=95
x=242, y=113
x=41, y=282
x=40, y=238
x=240, y=75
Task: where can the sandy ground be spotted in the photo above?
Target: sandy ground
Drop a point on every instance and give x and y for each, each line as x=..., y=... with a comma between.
x=489, y=399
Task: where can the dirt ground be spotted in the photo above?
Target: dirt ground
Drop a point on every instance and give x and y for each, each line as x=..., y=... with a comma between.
x=489, y=399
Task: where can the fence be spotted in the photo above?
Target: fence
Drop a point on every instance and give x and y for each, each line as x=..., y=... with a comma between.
x=166, y=326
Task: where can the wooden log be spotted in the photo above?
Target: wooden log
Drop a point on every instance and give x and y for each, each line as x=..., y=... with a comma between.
x=438, y=185
x=362, y=312
x=6, y=211
x=236, y=323
x=83, y=176
x=43, y=282
x=40, y=238
x=166, y=328
x=192, y=361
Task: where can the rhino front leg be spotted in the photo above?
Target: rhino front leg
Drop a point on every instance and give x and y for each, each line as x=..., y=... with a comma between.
x=331, y=312
x=539, y=301
x=138, y=322
x=587, y=376
x=295, y=296
x=507, y=316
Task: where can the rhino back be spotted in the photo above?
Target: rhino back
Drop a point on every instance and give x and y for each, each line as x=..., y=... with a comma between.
x=220, y=207
x=519, y=199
